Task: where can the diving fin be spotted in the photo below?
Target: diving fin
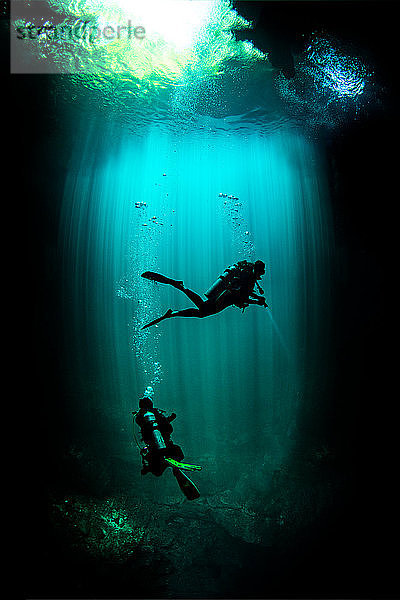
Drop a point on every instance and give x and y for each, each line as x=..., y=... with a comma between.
x=166, y=316
x=187, y=486
x=184, y=466
x=161, y=278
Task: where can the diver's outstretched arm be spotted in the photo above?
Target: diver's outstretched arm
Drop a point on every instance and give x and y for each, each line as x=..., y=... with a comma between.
x=258, y=300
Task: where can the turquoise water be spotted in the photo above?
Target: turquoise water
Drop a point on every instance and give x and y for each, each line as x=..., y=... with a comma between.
x=236, y=381
x=186, y=170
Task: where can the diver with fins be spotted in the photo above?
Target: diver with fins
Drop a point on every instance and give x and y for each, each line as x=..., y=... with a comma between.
x=159, y=451
x=235, y=287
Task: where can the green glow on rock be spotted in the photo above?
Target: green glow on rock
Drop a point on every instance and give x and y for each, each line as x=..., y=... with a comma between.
x=103, y=527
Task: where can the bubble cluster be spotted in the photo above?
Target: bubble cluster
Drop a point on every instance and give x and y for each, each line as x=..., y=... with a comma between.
x=330, y=84
x=332, y=69
x=142, y=255
x=234, y=215
x=148, y=392
x=157, y=377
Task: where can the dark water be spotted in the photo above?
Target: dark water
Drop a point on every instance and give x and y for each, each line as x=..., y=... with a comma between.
x=186, y=184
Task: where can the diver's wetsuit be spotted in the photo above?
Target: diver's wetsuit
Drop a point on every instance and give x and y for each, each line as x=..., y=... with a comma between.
x=238, y=292
x=159, y=451
x=153, y=460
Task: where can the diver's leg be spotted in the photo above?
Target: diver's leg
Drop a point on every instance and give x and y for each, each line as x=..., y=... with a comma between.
x=195, y=298
x=226, y=299
x=206, y=308
x=187, y=312
x=187, y=486
x=162, y=279
x=166, y=316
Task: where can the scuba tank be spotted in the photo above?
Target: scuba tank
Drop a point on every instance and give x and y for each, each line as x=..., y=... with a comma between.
x=221, y=283
x=156, y=456
x=154, y=433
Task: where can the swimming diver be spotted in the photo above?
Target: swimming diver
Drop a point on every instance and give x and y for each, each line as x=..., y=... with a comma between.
x=159, y=451
x=235, y=287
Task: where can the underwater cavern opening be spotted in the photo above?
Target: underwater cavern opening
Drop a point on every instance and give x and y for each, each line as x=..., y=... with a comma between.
x=184, y=165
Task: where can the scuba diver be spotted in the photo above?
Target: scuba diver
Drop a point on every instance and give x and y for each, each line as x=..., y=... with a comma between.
x=235, y=287
x=159, y=451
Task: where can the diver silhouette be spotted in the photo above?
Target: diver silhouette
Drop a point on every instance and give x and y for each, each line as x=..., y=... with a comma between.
x=235, y=287
x=159, y=451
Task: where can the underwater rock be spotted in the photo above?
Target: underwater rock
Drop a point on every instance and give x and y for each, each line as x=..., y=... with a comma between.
x=234, y=514
x=126, y=536
x=96, y=549
x=127, y=539
x=101, y=527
